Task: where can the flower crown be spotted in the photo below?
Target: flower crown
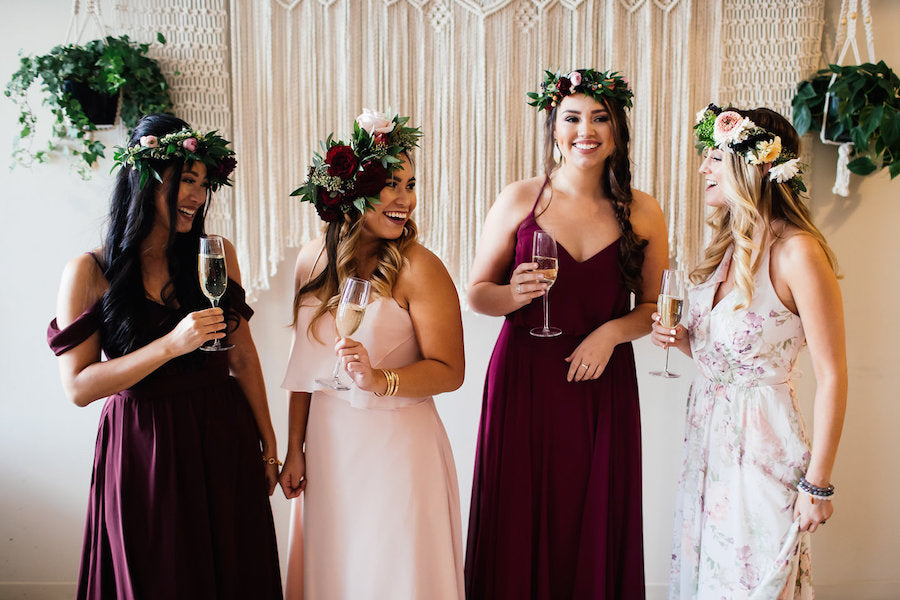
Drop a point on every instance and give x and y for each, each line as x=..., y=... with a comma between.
x=351, y=177
x=190, y=145
x=596, y=84
x=730, y=131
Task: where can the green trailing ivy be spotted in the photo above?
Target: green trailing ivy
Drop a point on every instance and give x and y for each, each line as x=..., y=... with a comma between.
x=114, y=66
x=864, y=110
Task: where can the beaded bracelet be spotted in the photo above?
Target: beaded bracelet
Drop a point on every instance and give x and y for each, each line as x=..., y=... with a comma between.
x=393, y=382
x=824, y=493
x=271, y=460
x=828, y=498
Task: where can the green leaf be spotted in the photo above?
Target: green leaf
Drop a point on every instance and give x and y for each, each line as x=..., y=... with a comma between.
x=802, y=119
x=160, y=38
x=861, y=166
x=894, y=169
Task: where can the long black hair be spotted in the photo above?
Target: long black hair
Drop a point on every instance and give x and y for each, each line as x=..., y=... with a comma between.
x=131, y=216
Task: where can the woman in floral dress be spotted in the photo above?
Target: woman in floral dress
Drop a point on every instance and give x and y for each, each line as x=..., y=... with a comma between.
x=752, y=488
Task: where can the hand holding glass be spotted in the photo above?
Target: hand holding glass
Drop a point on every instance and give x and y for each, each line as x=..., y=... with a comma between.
x=544, y=254
x=350, y=312
x=669, y=306
x=213, y=277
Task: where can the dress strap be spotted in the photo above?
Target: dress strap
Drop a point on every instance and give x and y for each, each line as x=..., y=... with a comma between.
x=97, y=260
x=315, y=262
x=540, y=194
x=87, y=323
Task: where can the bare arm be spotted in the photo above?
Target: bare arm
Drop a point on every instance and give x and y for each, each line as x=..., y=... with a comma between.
x=433, y=306
x=490, y=291
x=293, y=475
x=647, y=222
x=815, y=292
x=243, y=362
x=85, y=377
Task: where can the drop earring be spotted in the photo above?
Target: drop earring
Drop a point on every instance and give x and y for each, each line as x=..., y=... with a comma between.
x=557, y=155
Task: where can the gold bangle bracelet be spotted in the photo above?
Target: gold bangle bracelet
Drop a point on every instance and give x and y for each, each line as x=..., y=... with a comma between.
x=392, y=380
x=271, y=460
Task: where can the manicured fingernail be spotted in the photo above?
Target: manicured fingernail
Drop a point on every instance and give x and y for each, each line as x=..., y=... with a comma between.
x=672, y=340
x=672, y=332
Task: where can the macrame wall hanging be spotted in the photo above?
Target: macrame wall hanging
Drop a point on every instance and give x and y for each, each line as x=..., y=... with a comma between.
x=300, y=69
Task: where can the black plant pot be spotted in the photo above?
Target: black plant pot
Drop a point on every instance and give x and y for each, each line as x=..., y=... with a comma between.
x=98, y=107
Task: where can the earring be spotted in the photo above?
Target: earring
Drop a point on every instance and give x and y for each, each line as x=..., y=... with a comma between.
x=557, y=155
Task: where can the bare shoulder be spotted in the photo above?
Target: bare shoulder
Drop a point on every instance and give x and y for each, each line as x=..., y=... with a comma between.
x=422, y=263
x=646, y=214
x=81, y=286
x=231, y=261
x=308, y=261
x=517, y=199
x=798, y=249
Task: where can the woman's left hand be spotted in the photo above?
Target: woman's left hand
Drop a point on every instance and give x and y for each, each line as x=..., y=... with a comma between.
x=812, y=513
x=271, y=477
x=355, y=359
x=589, y=359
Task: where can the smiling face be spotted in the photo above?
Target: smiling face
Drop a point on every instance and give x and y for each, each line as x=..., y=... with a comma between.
x=192, y=190
x=583, y=131
x=398, y=200
x=713, y=169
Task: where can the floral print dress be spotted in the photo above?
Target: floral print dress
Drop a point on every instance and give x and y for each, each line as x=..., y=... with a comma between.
x=745, y=449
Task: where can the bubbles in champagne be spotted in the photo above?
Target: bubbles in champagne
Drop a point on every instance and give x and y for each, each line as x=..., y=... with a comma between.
x=349, y=317
x=669, y=309
x=213, y=276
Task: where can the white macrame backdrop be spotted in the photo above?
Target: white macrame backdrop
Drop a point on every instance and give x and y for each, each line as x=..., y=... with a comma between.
x=303, y=68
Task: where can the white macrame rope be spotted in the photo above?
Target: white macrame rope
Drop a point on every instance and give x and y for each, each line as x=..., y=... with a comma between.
x=848, y=16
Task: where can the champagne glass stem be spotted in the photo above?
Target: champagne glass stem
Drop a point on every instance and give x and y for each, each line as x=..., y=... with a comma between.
x=546, y=312
x=337, y=368
x=216, y=343
x=666, y=370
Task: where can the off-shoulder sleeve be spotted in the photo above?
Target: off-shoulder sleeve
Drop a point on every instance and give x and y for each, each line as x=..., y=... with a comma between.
x=236, y=300
x=63, y=340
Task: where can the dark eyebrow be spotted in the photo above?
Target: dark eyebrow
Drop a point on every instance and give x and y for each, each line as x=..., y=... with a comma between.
x=578, y=112
x=190, y=172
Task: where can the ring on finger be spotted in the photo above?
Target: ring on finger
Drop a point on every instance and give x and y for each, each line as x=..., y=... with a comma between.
x=582, y=365
x=356, y=357
x=518, y=288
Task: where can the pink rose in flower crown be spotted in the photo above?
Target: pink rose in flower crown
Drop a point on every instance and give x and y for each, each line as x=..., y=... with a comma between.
x=575, y=78
x=190, y=144
x=727, y=127
x=342, y=162
x=149, y=141
x=374, y=122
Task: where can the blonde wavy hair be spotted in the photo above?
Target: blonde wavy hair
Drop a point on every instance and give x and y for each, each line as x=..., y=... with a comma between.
x=341, y=247
x=752, y=198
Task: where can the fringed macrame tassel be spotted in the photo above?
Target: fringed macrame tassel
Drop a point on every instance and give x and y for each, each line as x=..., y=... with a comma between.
x=842, y=175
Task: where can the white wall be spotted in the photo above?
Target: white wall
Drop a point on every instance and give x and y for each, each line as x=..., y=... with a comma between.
x=47, y=216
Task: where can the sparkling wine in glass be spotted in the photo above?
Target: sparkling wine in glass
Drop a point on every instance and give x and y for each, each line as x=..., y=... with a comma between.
x=669, y=305
x=350, y=312
x=544, y=254
x=213, y=278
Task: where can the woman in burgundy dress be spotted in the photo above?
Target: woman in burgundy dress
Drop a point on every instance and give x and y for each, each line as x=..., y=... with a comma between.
x=556, y=498
x=185, y=454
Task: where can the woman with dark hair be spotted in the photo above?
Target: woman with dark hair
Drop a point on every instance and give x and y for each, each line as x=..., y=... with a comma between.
x=380, y=512
x=556, y=498
x=751, y=489
x=185, y=454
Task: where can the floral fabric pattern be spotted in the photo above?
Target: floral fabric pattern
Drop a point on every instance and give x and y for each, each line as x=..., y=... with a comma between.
x=745, y=449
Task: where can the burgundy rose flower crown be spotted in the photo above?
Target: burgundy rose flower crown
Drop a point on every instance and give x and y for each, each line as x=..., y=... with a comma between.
x=350, y=177
x=190, y=145
x=596, y=84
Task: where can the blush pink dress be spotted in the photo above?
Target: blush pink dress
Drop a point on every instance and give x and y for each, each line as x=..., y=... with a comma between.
x=380, y=515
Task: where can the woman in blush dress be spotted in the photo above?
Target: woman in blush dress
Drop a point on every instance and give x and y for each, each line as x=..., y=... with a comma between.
x=185, y=455
x=556, y=498
x=380, y=507
x=752, y=491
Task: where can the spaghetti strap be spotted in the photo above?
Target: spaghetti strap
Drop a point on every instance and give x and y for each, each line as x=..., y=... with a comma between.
x=539, y=195
x=315, y=262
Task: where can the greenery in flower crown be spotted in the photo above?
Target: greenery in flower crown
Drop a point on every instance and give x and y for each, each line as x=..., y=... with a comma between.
x=730, y=131
x=189, y=145
x=596, y=84
x=350, y=177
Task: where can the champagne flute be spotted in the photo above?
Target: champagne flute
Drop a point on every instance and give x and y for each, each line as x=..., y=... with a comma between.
x=350, y=312
x=213, y=278
x=669, y=306
x=544, y=254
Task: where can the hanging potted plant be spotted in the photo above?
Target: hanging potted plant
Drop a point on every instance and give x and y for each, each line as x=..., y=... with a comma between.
x=863, y=108
x=83, y=85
